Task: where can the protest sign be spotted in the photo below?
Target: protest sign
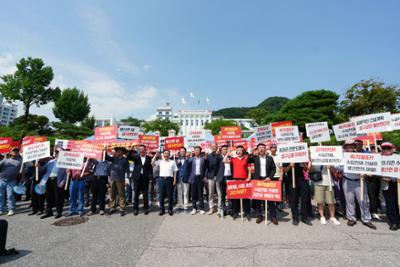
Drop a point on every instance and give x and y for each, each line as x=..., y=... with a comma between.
x=345, y=131
x=219, y=141
x=152, y=142
x=105, y=133
x=270, y=191
x=264, y=133
x=89, y=149
x=369, y=138
x=236, y=189
x=70, y=160
x=240, y=142
x=292, y=153
x=278, y=124
x=36, y=151
x=326, y=155
x=391, y=166
x=288, y=134
x=362, y=163
x=373, y=123
x=395, y=122
x=5, y=144
x=318, y=132
x=174, y=143
x=61, y=143
x=28, y=140
x=231, y=132
x=128, y=132
x=195, y=138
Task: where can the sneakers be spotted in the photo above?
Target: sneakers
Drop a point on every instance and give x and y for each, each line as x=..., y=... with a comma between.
x=202, y=212
x=10, y=213
x=323, y=220
x=376, y=216
x=334, y=221
x=211, y=212
x=101, y=212
x=194, y=211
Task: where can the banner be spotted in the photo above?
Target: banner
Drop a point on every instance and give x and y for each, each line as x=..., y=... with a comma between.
x=236, y=189
x=395, y=122
x=362, y=163
x=70, y=160
x=128, y=144
x=128, y=132
x=373, y=123
x=270, y=191
x=318, y=132
x=195, y=138
x=219, y=141
x=231, y=132
x=5, y=144
x=152, y=142
x=29, y=140
x=391, y=166
x=345, y=131
x=36, y=151
x=174, y=143
x=369, y=138
x=326, y=155
x=242, y=142
x=289, y=134
x=292, y=153
x=89, y=149
x=105, y=133
x=264, y=133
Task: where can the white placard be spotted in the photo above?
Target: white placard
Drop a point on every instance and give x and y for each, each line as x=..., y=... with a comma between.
x=195, y=138
x=61, y=143
x=391, y=166
x=318, y=132
x=287, y=134
x=264, y=133
x=362, y=163
x=128, y=132
x=395, y=122
x=36, y=151
x=292, y=153
x=326, y=155
x=345, y=131
x=70, y=160
x=373, y=123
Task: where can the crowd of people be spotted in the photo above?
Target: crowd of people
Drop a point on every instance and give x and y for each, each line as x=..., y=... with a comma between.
x=190, y=179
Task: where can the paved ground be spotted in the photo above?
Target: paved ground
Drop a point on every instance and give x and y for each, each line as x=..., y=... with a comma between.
x=186, y=240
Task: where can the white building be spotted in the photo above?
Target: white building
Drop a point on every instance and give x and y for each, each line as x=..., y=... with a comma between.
x=190, y=120
x=8, y=112
x=104, y=121
x=165, y=112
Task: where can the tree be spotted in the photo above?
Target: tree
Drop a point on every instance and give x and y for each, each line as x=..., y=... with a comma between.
x=71, y=131
x=256, y=114
x=232, y=113
x=273, y=104
x=89, y=122
x=71, y=106
x=35, y=124
x=30, y=84
x=370, y=96
x=310, y=106
x=132, y=121
x=160, y=125
x=215, y=125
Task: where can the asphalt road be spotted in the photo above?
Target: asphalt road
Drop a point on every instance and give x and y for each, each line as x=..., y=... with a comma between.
x=194, y=240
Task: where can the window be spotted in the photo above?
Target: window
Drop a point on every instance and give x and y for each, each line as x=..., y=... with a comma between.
x=187, y=122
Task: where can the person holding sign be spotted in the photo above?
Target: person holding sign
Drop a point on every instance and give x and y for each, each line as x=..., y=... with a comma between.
x=197, y=175
x=389, y=189
x=264, y=169
x=352, y=191
x=99, y=186
x=9, y=173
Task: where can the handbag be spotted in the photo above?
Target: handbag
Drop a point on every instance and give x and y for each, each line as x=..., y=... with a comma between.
x=316, y=176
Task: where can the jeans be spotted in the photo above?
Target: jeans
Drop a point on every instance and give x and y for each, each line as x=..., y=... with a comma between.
x=6, y=188
x=166, y=183
x=221, y=191
x=77, y=193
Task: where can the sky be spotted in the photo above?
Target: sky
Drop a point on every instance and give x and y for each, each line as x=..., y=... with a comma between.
x=131, y=57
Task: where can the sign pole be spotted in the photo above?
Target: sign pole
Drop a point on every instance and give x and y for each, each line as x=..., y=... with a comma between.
x=375, y=143
x=369, y=146
x=241, y=209
x=104, y=153
x=37, y=170
x=67, y=181
x=362, y=187
x=293, y=178
x=329, y=179
x=266, y=212
x=84, y=167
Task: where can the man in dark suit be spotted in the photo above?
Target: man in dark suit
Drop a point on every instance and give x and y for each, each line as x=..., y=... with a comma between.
x=264, y=169
x=212, y=165
x=197, y=174
x=224, y=173
x=141, y=176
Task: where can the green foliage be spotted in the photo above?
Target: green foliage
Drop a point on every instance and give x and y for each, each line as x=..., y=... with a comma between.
x=215, y=125
x=160, y=125
x=256, y=114
x=30, y=84
x=368, y=97
x=393, y=137
x=89, y=122
x=35, y=125
x=273, y=104
x=71, y=131
x=232, y=113
x=71, y=106
x=132, y=121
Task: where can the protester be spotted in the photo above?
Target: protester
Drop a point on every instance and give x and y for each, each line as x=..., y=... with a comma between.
x=77, y=189
x=224, y=174
x=167, y=180
x=55, y=179
x=141, y=176
x=9, y=175
x=37, y=200
x=389, y=186
x=99, y=187
x=119, y=167
x=182, y=185
x=352, y=191
x=212, y=165
x=264, y=169
x=197, y=175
